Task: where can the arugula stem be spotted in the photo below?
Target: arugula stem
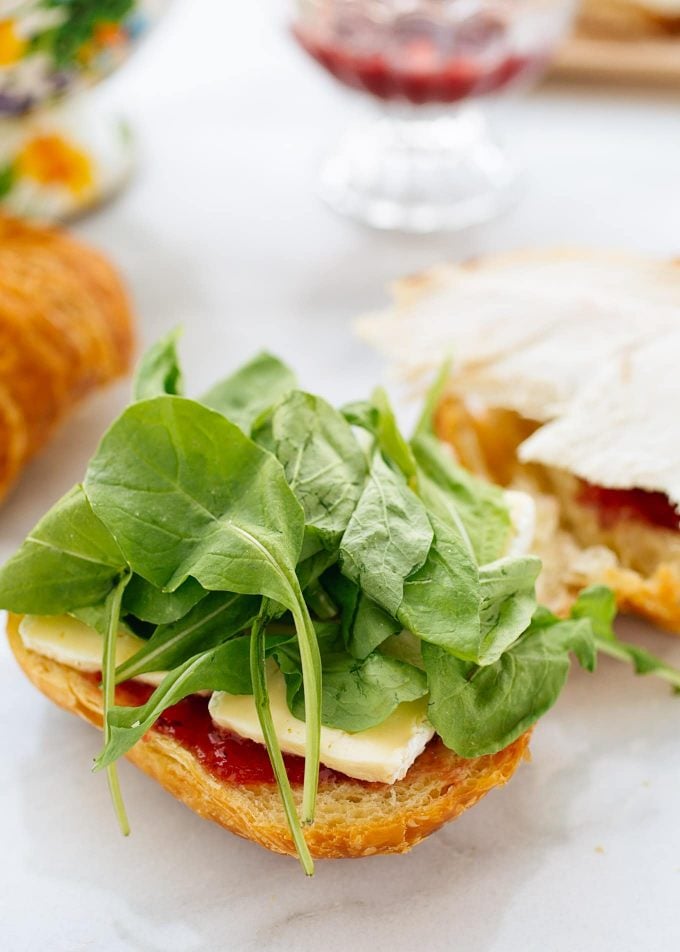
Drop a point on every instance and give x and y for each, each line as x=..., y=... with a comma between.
x=108, y=689
x=311, y=680
x=620, y=651
x=434, y=394
x=261, y=695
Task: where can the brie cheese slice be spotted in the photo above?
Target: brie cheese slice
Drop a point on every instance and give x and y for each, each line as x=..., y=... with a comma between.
x=73, y=643
x=523, y=517
x=382, y=754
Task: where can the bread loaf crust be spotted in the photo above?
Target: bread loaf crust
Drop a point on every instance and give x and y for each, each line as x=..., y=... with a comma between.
x=353, y=819
x=65, y=329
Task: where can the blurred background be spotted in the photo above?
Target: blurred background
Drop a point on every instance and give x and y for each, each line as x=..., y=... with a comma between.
x=224, y=216
x=234, y=121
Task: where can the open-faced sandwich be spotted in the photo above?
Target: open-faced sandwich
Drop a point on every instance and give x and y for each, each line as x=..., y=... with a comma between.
x=565, y=384
x=311, y=630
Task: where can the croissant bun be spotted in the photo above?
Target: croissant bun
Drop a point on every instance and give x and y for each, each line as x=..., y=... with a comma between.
x=65, y=329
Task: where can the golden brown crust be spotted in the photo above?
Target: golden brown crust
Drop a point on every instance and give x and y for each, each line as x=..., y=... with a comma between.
x=65, y=329
x=575, y=552
x=353, y=819
x=625, y=20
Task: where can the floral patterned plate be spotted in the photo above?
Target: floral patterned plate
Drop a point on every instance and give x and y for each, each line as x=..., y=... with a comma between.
x=57, y=156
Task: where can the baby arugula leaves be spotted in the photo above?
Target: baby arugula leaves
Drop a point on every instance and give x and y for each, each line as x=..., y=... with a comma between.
x=254, y=388
x=481, y=709
x=387, y=538
x=322, y=461
x=187, y=494
x=159, y=370
x=216, y=618
x=259, y=525
x=151, y=604
x=68, y=561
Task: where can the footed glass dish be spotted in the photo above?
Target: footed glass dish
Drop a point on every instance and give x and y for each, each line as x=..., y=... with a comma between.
x=428, y=161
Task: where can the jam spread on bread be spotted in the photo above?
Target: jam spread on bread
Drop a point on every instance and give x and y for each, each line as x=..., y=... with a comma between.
x=231, y=758
x=640, y=505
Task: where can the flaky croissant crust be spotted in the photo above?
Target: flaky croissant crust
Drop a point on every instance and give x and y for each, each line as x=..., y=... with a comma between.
x=65, y=329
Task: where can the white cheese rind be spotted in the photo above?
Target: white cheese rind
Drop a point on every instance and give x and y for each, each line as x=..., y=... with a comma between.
x=522, y=510
x=551, y=336
x=382, y=754
x=75, y=644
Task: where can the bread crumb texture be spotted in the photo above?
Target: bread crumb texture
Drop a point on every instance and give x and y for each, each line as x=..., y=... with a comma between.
x=640, y=562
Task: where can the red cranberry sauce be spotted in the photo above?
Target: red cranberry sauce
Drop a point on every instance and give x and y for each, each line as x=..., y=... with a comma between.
x=640, y=505
x=417, y=60
x=227, y=756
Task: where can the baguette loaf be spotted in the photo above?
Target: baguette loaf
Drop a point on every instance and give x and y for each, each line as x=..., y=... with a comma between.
x=352, y=819
x=65, y=329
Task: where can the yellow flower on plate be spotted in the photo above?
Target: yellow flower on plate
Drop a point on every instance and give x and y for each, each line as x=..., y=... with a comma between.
x=51, y=160
x=12, y=46
x=110, y=34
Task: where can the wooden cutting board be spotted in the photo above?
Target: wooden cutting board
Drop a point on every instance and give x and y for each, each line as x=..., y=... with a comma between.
x=641, y=61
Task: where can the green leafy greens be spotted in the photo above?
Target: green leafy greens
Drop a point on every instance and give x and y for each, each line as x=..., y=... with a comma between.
x=258, y=525
x=159, y=372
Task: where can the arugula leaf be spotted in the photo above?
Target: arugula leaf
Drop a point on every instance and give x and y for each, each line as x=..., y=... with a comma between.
x=68, y=561
x=319, y=601
x=250, y=390
x=443, y=599
x=324, y=465
x=441, y=602
x=480, y=710
x=365, y=625
x=215, y=619
x=97, y=617
x=186, y=493
x=508, y=603
x=435, y=392
x=313, y=567
x=225, y=668
x=480, y=505
x=108, y=693
x=261, y=694
x=159, y=371
x=358, y=695
x=378, y=418
x=148, y=603
x=599, y=604
x=471, y=612
x=387, y=538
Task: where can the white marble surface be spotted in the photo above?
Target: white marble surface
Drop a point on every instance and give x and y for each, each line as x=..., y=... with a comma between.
x=221, y=232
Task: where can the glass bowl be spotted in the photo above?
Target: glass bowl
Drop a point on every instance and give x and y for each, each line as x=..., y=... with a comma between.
x=429, y=161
